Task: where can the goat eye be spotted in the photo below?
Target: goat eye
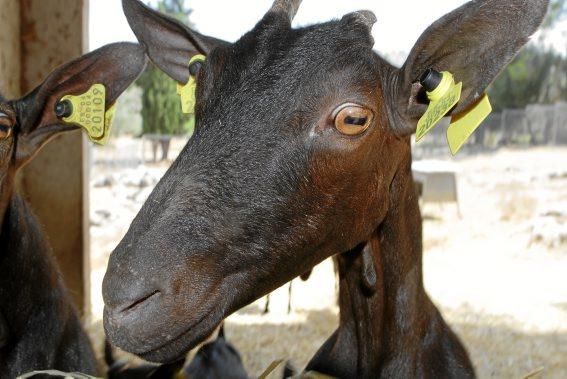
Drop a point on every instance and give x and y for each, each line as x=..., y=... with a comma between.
x=5, y=126
x=352, y=120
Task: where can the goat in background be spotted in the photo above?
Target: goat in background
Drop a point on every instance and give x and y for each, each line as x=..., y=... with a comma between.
x=41, y=328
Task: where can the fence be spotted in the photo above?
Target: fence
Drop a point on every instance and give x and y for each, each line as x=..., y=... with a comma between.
x=537, y=124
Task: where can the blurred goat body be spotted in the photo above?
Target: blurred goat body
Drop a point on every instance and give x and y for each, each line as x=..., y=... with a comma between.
x=216, y=360
x=45, y=329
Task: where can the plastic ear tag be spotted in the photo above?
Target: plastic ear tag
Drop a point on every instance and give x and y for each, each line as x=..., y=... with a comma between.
x=108, y=119
x=443, y=95
x=188, y=92
x=88, y=111
x=463, y=125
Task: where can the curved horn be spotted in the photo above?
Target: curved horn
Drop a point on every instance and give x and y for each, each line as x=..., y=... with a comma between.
x=287, y=7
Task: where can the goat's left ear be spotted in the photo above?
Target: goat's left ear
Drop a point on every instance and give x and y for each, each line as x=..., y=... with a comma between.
x=115, y=66
x=169, y=44
x=474, y=42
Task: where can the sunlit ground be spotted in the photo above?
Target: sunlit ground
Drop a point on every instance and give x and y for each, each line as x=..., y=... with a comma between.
x=498, y=273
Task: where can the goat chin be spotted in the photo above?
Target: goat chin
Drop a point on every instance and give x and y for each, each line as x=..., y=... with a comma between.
x=147, y=333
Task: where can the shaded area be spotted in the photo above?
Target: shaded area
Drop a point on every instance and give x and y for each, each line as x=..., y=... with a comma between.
x=499, y=350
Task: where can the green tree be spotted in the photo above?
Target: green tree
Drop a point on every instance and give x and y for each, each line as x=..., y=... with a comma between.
x=161, y=107
x=557, y=12
x=537, y=73
x=176, y=9
x=128, y=119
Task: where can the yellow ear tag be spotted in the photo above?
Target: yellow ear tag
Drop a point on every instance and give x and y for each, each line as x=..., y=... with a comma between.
x=88, y=112
x=463, y=125
x=108, y=120
x=443, y=97
x=188, y=92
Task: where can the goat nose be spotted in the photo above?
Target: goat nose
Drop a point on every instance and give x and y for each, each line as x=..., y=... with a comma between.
x=125, y=289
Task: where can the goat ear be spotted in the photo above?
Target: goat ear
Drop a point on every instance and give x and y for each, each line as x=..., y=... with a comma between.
x=474, y=42
x=115, y=66
x=169, y=44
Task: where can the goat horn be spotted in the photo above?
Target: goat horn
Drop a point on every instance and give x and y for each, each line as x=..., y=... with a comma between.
x=288, y=7
x=368, y=18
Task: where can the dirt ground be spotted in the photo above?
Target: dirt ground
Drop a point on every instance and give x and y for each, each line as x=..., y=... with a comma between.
x=498, y=273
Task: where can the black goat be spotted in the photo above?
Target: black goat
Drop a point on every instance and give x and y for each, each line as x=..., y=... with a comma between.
x=40, y=328
x=302, y=151
x=45, y=331
x=215, y=360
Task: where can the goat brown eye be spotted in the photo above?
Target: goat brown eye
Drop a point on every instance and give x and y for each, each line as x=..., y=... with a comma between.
x=352, y=120
x=5, y=126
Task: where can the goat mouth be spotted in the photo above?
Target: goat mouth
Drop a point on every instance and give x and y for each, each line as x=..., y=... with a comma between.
x=136, y=329
x=132, y=307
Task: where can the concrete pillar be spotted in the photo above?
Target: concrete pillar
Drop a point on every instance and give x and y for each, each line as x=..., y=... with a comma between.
x=55, y=182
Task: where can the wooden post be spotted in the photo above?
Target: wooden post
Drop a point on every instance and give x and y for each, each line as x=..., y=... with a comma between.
x=56, y=182
x=10, y=51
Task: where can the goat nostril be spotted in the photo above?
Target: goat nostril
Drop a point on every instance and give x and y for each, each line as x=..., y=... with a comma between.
x=139, y=301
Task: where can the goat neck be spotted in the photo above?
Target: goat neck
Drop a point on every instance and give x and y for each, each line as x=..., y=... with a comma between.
x=388, y=325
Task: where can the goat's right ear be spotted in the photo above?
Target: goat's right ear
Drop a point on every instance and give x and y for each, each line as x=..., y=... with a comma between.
x=169, y=44
x=474, y=42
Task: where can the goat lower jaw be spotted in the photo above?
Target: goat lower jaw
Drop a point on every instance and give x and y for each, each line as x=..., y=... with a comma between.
x=179, y=346
x=162, y=350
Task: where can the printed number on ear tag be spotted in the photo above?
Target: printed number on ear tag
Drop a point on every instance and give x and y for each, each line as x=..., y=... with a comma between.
x=463, y=125
x=108, y=119
x=188, y=92
x=89, y=112
x=442, y=99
